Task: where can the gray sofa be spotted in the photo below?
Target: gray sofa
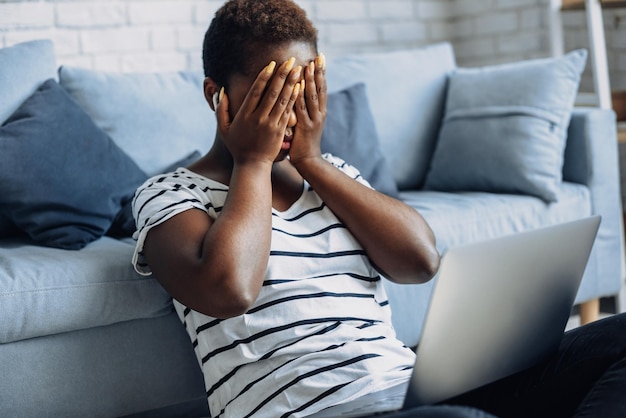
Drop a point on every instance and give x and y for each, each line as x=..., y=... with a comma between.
x=83, y=335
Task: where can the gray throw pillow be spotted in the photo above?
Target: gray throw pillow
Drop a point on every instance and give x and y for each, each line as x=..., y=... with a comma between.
x=504, y=128
x=23, y=68
x=349, y=133
x=62, y=180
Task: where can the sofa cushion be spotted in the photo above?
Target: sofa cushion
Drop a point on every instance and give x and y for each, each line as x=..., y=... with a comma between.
x=156, y=118
x=62, y=180
x=23, y=68
x=350, y=133
x=45, y=291
x=465, y=217
x=406, y=91
x=505, y=127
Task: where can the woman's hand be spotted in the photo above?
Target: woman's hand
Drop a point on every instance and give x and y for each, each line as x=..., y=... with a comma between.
x=311, y=113
x=257, y=130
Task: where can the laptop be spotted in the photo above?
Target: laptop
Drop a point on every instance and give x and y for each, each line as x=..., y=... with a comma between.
x=498, y=307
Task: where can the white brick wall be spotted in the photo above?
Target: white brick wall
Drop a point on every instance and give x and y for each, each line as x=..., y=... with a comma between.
x=166, y=35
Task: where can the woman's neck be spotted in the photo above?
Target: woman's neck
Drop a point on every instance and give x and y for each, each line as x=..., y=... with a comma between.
x=217, y=164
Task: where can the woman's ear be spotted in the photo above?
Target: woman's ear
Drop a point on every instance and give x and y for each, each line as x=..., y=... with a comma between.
x=211, y=92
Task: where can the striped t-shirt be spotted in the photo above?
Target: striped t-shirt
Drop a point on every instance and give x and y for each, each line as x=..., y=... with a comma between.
x=320, y=330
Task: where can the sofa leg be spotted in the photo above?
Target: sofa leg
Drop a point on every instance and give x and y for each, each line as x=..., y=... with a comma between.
x=589, y=311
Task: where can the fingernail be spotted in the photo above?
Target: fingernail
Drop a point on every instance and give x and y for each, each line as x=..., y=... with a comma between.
x=215, y=102
x=298, y=71
x=290, y=63
x=321, y=61
x=312, y=68
x=270, y=67
x=303, y=84
x=296, y=89
x=221, y=95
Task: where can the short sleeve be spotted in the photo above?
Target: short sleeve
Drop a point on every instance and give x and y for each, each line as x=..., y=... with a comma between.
x=157, y=200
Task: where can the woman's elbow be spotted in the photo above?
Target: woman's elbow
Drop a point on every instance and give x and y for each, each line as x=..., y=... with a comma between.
x=224, y=306
x=430, y=264
x=429, y=257
x=422, y=268
x=222, y=298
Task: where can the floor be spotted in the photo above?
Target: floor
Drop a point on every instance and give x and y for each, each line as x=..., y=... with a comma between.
x=607, y=308
x=574, y=320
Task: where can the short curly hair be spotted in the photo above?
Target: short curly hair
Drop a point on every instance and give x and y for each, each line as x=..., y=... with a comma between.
x=241, y=29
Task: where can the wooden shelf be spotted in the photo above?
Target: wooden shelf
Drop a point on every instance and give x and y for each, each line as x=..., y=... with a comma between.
x=580, y=4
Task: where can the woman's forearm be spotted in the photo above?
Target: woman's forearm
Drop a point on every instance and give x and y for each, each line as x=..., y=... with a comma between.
x=236, y=247
x=394, y=235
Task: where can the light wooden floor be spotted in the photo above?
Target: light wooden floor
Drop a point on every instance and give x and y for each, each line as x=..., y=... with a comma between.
x=574, y=320
x=608, y=306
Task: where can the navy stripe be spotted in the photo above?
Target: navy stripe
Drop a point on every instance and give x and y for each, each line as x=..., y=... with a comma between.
x=306, y=212
x=175, y=188
x=310, y=374
x=148, y=220
x=161, y=192
x=270, y=331
x=312, y=234
x=310, y=296
x=208, y=325
x=317, y=255
x=265, y=357
x=316, y=399
x=367, y=339
x=214, y=322
x=324, y=276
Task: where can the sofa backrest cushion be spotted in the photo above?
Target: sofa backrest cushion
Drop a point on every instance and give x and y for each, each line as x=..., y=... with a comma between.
x=505, y=127
x=156, y=118
x=62, y=180
x=23, y=68
x=406, y=91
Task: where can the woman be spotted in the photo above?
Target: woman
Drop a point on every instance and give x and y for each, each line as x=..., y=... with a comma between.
x=271, y=250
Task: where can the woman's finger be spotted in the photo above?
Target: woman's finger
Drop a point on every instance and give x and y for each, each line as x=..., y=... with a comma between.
x=311, y=95
x=274, y=88
x=295, y=94
x=300, y=105
x=221, y=112
x=256, y=93
x=320, y=80
x=284, y=102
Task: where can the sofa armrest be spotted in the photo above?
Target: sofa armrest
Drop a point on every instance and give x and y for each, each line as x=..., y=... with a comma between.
x=591, y=158
x=591, y=142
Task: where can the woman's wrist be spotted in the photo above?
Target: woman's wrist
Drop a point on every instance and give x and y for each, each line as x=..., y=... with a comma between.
x=309, y=164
